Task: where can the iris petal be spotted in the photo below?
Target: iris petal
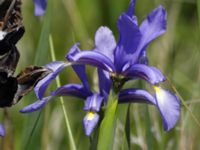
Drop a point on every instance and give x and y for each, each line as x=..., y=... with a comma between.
x=130, y=11
x=131, y=8
x=94, y=58
x=136, y=96
x=169, y=106
x=41, y=86
x=93, y=102
x=153, y=26
x=105, y=83
x=40, y=7
x=76, y=90
x=150, y=74
x=105, y=42
x=143, y=59
x=2, y=130
x=90, y=121
x=130, y=36
x=79, y=69
x=36, y=105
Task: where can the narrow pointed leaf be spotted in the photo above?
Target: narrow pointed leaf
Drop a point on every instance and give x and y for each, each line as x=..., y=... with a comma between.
x=106, y=133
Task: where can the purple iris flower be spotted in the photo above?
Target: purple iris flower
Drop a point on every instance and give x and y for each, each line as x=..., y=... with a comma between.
x=126, y=59
x=116, y=64
x=40, y=7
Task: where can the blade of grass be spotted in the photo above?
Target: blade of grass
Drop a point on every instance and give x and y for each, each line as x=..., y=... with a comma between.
x=72, y=142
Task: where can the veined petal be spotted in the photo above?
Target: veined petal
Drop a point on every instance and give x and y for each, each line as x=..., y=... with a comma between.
x=150, y=74
x=36, y=105
x=79, y=69
x=40, y=7
x=76, y=90
x=90, y=121
x=2, y=130
x=41, y=86
x=104, y=83
x=93, y=102
x=94, y=58
x=130, y=36
x=136, y=96
x=169, y=106
x=153, y=26
x=105, y=42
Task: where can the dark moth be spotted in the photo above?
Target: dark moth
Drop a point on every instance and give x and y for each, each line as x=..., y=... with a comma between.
x=13, y=88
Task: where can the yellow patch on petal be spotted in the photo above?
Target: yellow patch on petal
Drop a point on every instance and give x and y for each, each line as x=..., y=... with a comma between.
x=157, y=89
x=90, y=115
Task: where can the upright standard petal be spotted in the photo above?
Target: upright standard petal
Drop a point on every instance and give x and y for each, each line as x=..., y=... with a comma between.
x=41, y=86
x=105, y=42
x=40, y=7
x=150, y=74
x=2, y=130
x=130, y=36
x=136, y=96
x=130, y=11
x=76, y=90
x=93, y=102
x=94, y=58
x=169, y=106
x=90, y=121
x=153, y=26
x=131, y=8
x=79, y=69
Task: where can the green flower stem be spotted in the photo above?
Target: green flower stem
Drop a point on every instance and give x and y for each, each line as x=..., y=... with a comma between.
x=107, y=127
x=72, y=143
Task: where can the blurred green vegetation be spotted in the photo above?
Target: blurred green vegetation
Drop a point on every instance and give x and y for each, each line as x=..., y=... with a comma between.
x=176, y=53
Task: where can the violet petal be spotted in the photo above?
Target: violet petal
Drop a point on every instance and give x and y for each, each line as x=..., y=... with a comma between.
x=40, y=7
x=105, y=42
x=150, y=74
x=90, y=121
x=130, y=36
x=169, y=106
x=2, y=130
x=136, y=96
x=42, y=85
x=76, y=90
x=36, y=105
x=93, y=102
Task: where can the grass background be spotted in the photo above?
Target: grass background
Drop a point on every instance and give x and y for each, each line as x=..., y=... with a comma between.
x=176, y=53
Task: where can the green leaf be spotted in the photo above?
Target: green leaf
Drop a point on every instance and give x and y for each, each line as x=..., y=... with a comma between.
x=107, y=127
x=43, y=46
